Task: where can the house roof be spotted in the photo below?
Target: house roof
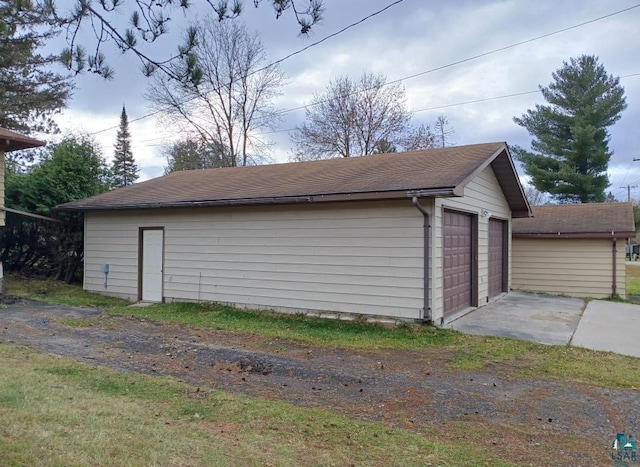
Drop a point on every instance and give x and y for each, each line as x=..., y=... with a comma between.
x=590, y=220
x=12, y=141
x=433, y=172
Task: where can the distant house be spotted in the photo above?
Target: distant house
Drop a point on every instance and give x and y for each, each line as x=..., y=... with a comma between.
x=419, y=235
x=10, y=141
x=573, y=249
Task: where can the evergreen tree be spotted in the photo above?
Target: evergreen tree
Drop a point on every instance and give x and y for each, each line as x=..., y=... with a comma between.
x=67, y=171
x=124, y=168
x=570, y=150
x=31, y=92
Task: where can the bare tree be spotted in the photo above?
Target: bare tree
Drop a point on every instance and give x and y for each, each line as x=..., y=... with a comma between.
x=232, y=100
x=352, y=119
x=193, y=154
x=418, y=138
x=442, y=132
x=534, y=196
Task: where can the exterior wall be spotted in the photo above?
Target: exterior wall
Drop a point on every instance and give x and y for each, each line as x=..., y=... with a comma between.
x=483, y=193
x=565, y=266
x=364, y=257
x=2, y=214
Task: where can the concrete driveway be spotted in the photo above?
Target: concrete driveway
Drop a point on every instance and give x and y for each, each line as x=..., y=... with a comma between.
x=602, y=325
x=609, y=326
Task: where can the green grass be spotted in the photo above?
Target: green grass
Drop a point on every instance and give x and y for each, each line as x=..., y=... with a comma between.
x=77, y=322
x=633, y=285
x=306, y=329
x=56, y=292
x=451, y=348
x=633, y=280
x=59, y=412
x=589, y=367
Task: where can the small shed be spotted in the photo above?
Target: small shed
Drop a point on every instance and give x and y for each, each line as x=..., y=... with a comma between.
x=573, y=249
x=421, y=235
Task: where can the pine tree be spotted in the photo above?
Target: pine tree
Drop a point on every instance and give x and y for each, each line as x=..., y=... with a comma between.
x=31, y=92
x=570, y=150
x=124, y=169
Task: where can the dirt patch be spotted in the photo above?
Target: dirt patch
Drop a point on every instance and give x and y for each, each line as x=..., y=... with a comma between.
x=526, y=420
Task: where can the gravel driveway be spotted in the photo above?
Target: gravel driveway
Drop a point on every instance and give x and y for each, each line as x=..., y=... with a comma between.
x=528, y=421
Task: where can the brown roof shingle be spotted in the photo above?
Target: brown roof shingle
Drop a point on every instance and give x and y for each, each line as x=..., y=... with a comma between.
x=589, y=220
x=12, y=141
x=435, y=171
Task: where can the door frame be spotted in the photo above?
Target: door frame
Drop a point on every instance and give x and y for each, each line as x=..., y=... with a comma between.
x=141, y=231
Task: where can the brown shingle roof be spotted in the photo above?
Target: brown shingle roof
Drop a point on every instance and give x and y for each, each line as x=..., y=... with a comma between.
x=591, y=220
x=12, y=141
x=433, y=172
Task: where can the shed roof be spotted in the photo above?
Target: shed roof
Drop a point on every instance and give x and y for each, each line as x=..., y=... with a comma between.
x=12, y=141
x=589, y=220
x=432, y=172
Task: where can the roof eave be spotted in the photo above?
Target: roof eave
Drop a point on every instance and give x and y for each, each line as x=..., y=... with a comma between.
x=317, y=198
x=16, y=142
x=611, y=234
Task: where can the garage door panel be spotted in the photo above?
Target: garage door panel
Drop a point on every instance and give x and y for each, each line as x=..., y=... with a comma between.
x=496, y=257
x=458, y=249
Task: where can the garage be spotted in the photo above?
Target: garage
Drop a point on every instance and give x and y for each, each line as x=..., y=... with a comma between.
x=498, y=256
x=354, y=236
x=458, y=261
x=573, y=249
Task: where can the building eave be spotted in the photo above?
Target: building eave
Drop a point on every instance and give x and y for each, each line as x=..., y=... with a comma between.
x=318, y=198
x=577, y=235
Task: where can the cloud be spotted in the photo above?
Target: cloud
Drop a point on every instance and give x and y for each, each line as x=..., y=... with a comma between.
x=409, y=38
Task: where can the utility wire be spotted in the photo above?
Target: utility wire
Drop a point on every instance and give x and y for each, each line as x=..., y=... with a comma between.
x=337, y=33
x=325, y=38
x=475, y=57
x=438, y=107
x=449, y=65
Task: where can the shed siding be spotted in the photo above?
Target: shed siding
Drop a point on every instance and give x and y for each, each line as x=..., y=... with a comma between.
x=482, y=193
x=576, y=267
x=2, y=214
x=352, y=257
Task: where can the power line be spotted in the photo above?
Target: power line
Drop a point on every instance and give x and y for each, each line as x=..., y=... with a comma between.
x=443, y=106
x=524, y=93
x=337, y=33
x=475, y=57
x=449, y=65
x=635, y=159
x=326, y=38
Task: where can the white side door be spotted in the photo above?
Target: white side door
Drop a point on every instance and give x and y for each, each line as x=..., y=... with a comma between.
x=152, y=241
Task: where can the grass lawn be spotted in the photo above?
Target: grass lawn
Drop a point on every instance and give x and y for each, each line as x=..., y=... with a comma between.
x=633, y=280
x=56, y=292
x=466, y=352
x=59, y=412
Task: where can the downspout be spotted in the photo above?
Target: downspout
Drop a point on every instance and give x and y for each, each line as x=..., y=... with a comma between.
x=426, y=313
x=614, y=288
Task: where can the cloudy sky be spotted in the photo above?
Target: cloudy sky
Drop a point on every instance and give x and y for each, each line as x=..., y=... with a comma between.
x=515, y=42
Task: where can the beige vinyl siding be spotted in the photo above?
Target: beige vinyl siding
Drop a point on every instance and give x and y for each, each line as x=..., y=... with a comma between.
x=345, y=257
x=481, y=193
x=2, y=214
x=565, y=266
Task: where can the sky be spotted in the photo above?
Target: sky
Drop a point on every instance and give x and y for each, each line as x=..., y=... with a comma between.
x=479, y=63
